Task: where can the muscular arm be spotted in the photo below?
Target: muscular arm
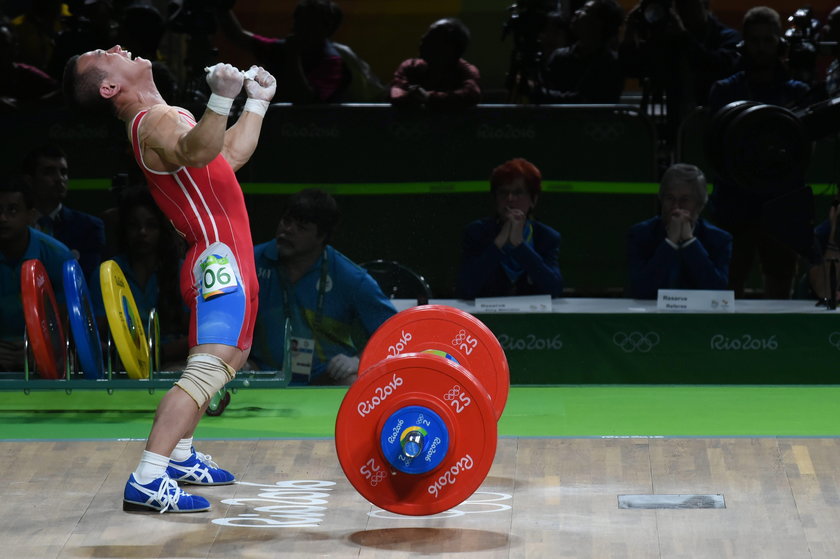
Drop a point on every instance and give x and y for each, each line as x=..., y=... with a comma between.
x=240, y=140
x=168, y=141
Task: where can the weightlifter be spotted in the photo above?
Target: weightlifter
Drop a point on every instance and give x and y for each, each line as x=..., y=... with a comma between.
x=190, y=167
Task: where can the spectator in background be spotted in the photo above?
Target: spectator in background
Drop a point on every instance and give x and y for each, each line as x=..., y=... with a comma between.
x=677, y=53
x=440, y=79
x=310, y=67
x=326, y=297
x=737, y=208
x=36, y=31
x=150, y=255
x=20, y=242
x=555, y=33
x=678, y=249
x=92, y=25
x=831, y=33
x=511, y=253
x=45, y=168
x=141, y=30
x=22, y=86
x=587, y=71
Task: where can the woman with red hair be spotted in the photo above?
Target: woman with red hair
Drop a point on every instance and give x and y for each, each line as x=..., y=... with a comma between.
x=511, y=253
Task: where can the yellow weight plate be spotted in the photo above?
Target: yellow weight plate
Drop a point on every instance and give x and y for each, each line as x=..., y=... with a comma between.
x=124, y=320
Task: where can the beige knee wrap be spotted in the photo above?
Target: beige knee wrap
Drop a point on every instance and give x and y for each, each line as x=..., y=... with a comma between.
x=204, y=376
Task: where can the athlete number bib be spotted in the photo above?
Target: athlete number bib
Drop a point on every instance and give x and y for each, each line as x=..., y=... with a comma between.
x=216, y=272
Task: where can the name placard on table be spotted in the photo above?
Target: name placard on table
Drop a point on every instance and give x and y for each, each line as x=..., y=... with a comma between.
x=524, y=303
x=695, y=300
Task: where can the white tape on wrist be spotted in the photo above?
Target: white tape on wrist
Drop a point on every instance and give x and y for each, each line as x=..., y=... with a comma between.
x=219, y=104
x=257, y=106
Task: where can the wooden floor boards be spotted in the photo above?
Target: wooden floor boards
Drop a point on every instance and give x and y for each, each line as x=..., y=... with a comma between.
x=543, y=498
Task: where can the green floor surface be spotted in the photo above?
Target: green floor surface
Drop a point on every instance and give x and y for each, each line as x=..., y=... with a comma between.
x=555, y=411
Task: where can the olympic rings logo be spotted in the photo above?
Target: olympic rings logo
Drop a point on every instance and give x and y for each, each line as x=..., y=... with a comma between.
x=604, y=132
x=462, y=335
x=636, y=341
x=465, y=342
x=452, y=394
x=373, y=472
x=834, y=340
x=377, y=478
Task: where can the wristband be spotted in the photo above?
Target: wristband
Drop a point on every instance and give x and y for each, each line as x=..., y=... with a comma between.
x=257, y=106
x=220, y=105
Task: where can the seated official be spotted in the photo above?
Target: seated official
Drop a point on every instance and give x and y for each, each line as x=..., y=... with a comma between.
x=329, y=301
x=511, y=253
x=20, y=242
x=678, y=249
x=46, y=169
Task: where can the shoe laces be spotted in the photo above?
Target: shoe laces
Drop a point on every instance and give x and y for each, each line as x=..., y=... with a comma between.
x=168, y=494
x=206, y=459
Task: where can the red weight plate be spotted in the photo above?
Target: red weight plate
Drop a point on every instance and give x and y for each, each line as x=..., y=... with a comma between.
x=440, y=385
x=446, y=329
x=41, y=316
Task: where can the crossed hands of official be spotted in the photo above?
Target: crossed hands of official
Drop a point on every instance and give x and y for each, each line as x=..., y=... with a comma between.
x=679, y=227
x=513, y=225
x=226, y=80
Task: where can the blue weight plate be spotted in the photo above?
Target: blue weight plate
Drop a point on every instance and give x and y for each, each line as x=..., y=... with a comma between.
x=82, y=321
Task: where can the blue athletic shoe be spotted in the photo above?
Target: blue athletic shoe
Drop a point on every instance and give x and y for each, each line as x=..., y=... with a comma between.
x=199, y=469
x=162, y=495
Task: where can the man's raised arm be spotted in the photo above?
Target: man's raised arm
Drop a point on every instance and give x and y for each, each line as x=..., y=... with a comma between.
x=175, y=143
x=241, y=138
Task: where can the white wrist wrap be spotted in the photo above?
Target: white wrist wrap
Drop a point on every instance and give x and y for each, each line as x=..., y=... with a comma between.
x=257, y=106
x=219, y=104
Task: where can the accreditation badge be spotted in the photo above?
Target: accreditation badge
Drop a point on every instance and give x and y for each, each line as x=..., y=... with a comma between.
x=302, y=352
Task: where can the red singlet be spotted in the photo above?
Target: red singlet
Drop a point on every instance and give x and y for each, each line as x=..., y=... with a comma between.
x=205, y=205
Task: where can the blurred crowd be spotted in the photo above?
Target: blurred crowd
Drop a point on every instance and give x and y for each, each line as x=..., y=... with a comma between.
x=672, y=58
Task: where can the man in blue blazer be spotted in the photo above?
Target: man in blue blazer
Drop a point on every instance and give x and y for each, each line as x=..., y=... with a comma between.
x=678, y=249
x=45, y=168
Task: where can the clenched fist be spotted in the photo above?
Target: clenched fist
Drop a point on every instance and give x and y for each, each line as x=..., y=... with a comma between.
x=259, y=84
x=224, y=80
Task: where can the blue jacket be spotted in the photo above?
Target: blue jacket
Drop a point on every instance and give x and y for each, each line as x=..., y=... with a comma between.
x=351, y=300
x=482, y=273
x=52, y=254
x=654, y=264
x=83, y=234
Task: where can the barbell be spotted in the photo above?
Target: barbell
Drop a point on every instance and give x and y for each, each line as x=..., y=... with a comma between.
x=416, y=433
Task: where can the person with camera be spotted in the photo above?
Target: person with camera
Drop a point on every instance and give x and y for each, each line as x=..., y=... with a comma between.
x=678, y=49
x=678, y=249
x=587, y=71
x=739, y=209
